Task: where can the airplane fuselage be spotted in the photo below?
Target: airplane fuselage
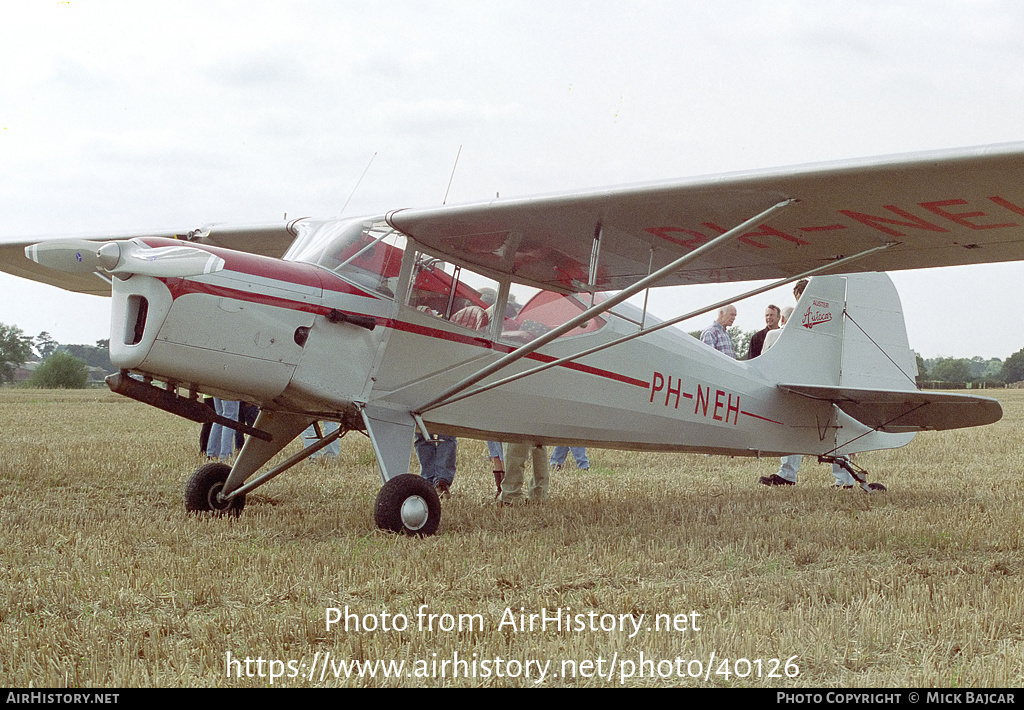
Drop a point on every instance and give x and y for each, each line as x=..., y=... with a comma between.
x=294, y=337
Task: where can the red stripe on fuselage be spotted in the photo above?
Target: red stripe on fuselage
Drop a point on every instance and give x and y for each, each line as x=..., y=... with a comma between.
x=500, y=347
x=756, y=416
x=180, y=287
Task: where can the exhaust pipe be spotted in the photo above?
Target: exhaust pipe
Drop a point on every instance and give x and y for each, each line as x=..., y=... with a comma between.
x=169, y=401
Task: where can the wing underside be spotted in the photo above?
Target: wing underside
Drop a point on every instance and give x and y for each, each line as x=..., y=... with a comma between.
x=934, y=209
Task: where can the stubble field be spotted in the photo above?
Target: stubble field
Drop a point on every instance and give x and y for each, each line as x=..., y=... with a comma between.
x=107, y=582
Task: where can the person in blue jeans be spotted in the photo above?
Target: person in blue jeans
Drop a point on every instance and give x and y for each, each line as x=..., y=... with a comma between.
x=497, y=457
x=437, y=461
x=559, y=454
x=330, y=451
x=221, y=444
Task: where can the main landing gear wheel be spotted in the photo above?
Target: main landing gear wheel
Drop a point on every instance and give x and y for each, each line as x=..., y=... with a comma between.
x=203, y=487
x=408, y=504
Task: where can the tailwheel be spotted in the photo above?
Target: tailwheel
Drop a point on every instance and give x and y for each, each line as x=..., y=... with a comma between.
x=408, y=504
x=203, y=488
x=859, y=474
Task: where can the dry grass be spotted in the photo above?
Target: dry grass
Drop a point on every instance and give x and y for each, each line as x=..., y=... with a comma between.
x=106, y=582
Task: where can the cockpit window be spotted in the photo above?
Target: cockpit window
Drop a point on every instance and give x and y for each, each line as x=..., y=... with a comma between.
x=544, y=311
x=367, y=253
x=451, y=292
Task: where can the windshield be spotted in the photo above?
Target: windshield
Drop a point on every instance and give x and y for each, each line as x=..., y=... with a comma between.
x=366, y=252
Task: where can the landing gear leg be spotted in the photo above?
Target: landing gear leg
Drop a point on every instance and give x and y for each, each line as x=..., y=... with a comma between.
x=406, y=503
x=222, y=488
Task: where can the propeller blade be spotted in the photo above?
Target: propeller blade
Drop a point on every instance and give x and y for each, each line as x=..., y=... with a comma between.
x=76, y=256
x=161, y=262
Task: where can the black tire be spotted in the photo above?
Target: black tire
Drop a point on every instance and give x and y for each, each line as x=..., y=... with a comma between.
x=202, y=489
x=876, y=487
x=409, y=505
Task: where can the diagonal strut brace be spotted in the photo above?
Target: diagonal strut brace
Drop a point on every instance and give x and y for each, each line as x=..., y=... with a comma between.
x=589, y=313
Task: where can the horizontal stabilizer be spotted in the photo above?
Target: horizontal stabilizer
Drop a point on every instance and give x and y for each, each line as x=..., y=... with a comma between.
x=898, y=411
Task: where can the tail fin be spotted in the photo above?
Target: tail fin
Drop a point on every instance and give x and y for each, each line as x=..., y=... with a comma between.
x=846, y=343
x=846, y=331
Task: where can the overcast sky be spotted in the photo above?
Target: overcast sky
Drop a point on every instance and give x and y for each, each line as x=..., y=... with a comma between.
x=137, y=115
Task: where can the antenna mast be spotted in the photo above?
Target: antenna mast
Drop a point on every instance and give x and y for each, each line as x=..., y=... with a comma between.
x=445, y=200
x=357, y=184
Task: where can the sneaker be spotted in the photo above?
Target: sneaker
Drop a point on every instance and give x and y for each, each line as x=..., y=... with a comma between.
x=776, y=480
x=556, y=467
x=441, y=488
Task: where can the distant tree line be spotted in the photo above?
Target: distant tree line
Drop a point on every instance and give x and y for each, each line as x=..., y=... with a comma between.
x=58, y=366
x=15, y=348
x=950, y=372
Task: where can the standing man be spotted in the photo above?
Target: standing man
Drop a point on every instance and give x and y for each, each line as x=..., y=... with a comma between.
x=560, y=453
x=331, y=451
x=437, y=460
x=515, y=473
x=221, y=444
x=772, y=315
x=773, y=335
x=790, y=465
x=494, y=452
x=716, y=335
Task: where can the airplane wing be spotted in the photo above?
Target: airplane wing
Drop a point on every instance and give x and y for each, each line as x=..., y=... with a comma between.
x=898, y=411
x=938, y=209
x=264, y=239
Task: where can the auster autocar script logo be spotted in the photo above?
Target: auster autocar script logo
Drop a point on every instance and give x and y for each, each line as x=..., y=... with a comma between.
x=817, y=313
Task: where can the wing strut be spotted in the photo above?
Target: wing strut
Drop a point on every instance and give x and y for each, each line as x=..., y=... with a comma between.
x=618, y=298
x=646, y=331
x=595, y=255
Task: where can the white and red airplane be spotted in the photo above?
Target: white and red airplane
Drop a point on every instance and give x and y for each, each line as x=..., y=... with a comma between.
x=402, y=321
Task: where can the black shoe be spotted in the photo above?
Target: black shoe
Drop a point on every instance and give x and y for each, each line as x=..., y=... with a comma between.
x=441, y=488
x=776, y=480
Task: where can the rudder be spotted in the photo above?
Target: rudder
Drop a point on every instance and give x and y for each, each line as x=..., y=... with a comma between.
x=846, y=331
